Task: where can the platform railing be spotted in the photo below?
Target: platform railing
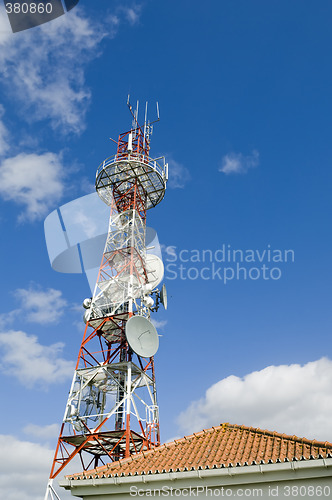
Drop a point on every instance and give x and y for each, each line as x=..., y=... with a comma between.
x=135, y=158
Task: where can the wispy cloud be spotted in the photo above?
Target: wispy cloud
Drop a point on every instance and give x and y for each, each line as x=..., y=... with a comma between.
x=34, y=181
x=122, y=15
x=283, y=398
x=158, y=323
x=237, y=163
x=37, y=306
x=5, y=29
x=132, y=13
x=24, y=467
x=44, y=68
x=4, y=135
x=41, y=306
x=31, y=363
x=43, y=432
x=178, y=174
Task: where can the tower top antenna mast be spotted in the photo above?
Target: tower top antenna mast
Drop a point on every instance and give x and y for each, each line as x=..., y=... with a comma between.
x=147, y=127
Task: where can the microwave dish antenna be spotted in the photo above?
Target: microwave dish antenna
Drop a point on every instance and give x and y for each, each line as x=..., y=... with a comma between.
x=154, y=269
x=163, y=296
x=142, y=336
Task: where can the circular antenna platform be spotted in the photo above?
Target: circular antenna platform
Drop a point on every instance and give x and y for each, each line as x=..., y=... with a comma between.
x=121, y=173
x=154, y=269
x=163, y=296
x=142, y=336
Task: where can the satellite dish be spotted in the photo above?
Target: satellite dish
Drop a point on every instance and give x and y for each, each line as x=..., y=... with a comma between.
x=154, y=269
x=163, y=296
x=142, y=336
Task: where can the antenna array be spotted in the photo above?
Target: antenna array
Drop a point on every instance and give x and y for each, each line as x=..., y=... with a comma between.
x=112, y=409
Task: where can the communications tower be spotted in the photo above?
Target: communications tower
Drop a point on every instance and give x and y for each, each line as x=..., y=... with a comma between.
x=112, y=409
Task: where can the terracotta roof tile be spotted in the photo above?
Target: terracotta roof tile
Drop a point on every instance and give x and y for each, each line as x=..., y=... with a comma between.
x=215, y=447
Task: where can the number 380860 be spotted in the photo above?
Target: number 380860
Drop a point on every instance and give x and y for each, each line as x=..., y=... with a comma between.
x=29, y=8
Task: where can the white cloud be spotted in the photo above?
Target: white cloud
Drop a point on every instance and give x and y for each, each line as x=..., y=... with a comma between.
x=9, y=317
x=37, y=306
x=41, y=306
x=45, y=432
x=4, y=135
x=31, y=363
x=113, y=22
x=291, y=399
x=158, y=324
x=34, y=181
x=5, y=30
x=24, y=469
x=178, y=174
x=237, y=163
x=132, y=14
x=44, y=68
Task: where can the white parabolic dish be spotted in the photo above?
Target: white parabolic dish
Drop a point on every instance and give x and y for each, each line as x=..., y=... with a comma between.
x=154, y=269
x=142, y=336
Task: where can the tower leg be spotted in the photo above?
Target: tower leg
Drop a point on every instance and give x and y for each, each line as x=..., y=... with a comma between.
x=51, y=494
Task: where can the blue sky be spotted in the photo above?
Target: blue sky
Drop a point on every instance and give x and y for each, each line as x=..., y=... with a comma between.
x=245, y=103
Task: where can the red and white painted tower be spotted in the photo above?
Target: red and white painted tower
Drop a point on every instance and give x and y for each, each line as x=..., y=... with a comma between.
x=112, y=409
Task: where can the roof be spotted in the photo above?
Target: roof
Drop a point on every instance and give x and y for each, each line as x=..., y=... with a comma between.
x=223, y=446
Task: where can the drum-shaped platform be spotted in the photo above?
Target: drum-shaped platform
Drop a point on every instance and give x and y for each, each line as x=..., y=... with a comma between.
x=123, y=173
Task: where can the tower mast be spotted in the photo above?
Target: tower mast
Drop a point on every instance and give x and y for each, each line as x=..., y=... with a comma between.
x=112, y=410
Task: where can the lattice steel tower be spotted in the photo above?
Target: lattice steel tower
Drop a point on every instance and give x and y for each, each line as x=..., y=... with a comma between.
x=112, y=409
